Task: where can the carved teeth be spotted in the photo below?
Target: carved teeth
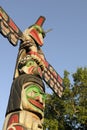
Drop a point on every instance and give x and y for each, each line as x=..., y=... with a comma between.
x=35, y=58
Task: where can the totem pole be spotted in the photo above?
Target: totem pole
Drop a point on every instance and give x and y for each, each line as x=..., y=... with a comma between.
x=25, y=110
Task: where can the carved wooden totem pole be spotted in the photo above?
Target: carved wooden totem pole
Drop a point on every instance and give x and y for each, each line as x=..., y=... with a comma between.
x=25, y=110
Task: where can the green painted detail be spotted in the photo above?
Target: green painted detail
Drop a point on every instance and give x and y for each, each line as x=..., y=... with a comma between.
x=35, y=92
x=39, y=29
x=30, y=63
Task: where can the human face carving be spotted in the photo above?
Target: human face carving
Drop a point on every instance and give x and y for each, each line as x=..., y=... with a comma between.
x=33, y=98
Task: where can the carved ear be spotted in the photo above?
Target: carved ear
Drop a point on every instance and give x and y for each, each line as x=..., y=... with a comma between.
x=9, y=29
x=40, y=21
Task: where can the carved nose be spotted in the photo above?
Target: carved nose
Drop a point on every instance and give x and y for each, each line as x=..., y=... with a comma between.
x=39, y=99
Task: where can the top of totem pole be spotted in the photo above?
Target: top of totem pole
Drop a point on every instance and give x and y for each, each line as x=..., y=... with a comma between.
x=40, y=21
x=36, y=31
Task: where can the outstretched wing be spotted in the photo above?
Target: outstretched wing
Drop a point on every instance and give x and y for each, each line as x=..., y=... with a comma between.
x=53, y=79
x=9, y=29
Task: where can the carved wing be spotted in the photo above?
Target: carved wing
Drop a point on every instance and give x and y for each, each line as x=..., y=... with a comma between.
x=9, y=29
x=53, y=79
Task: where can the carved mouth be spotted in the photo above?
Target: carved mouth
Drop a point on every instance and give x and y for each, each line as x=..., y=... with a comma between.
x=36, y=57
x=36, y=103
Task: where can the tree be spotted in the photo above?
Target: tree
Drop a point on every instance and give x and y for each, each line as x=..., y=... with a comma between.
x=53, y=112
x=70, y=111
x=80, y=95
x=55, y=108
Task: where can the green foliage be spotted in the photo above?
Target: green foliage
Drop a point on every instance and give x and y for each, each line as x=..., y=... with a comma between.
x=70, y=111
x=80, y=86
x=53, y=112
x=53, y=124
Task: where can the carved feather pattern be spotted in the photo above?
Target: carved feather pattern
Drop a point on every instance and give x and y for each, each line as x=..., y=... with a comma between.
x=9, y=29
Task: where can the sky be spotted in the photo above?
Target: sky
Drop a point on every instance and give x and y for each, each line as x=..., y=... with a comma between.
x=65, y=47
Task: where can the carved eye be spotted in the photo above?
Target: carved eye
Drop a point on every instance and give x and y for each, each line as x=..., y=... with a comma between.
x=30, y=63
x=40, y=30
x=37, y=29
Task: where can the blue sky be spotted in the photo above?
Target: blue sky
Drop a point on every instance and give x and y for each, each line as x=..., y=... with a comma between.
x=65, y=47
